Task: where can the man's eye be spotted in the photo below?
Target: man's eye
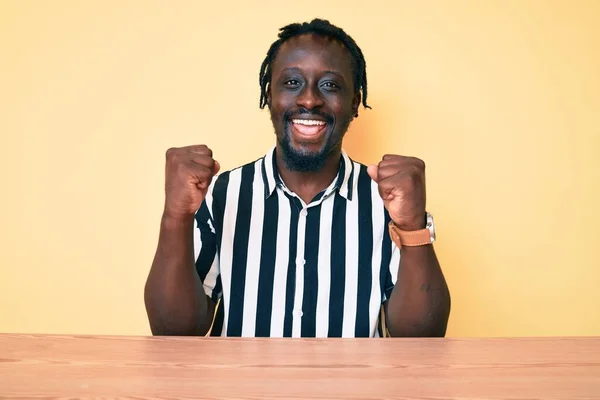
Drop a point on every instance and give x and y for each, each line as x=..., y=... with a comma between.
x=331, y=85
x=291, y=82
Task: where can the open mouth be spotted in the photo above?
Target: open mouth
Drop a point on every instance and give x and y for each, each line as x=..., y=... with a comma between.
x=309, y=128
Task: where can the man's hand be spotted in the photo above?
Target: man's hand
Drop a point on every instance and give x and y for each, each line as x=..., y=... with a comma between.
x=401, y=182
x=189, y=172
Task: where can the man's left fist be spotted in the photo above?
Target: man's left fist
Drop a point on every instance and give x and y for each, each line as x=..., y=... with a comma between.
x=401, y=182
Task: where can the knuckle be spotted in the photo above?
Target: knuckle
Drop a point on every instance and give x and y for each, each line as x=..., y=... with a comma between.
x=170, y=151
x=420, y=163
x=205, y=150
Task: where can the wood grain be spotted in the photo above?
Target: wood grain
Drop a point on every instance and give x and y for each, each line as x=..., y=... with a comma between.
x=67, y=367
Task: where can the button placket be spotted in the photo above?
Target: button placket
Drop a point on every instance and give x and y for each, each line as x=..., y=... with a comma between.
x=297, y=312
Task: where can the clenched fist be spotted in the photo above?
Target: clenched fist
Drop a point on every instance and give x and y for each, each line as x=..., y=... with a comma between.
x=401, y=183
x=189, y=172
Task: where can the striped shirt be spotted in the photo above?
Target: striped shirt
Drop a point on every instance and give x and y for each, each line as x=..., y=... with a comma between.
x=278, y=267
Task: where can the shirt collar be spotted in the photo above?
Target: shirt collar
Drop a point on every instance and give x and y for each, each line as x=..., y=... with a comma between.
x=344, y=180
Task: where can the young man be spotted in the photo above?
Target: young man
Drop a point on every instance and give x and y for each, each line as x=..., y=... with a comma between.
x=303, y=242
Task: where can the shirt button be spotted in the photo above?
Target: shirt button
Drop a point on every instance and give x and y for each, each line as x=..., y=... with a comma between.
x=299, y=313
x=303, y=212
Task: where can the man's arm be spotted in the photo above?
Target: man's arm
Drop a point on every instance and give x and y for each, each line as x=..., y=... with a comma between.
x=175, y=299
x=420, y=302
x=174, y=296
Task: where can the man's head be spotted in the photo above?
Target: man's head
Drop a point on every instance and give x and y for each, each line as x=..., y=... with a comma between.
x=312, y=80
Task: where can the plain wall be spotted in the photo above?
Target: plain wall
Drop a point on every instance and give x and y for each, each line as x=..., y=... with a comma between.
x=500, y=98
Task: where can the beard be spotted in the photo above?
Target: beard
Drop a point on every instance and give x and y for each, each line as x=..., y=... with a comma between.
x=299, y=160
x=302, y=160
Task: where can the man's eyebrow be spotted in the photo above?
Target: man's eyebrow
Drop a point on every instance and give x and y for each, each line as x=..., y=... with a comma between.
x=332, y=72
x=292, y=69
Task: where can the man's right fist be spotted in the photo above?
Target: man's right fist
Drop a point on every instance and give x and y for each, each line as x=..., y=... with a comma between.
x=189, y=172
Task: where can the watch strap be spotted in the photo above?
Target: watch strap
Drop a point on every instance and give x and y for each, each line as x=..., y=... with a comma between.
x=401, y=238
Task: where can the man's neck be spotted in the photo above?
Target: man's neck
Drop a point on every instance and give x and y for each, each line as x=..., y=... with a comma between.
x=308, y=184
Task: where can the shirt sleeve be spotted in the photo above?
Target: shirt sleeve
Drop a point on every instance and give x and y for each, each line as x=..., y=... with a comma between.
x=205, y=250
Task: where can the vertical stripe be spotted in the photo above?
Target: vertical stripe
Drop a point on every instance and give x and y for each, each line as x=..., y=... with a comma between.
x=253, y=246
x=351, y=281
x=266, y=285
x=198, y=242
x=215, y=202
x=240, y=251
x=311, y=283
x=219, y=201
x=291, y=272
x=324, y=268
x=351, y=182
x=345, y=187
x=394, y=265
x=386, y=256
x=269, y=172
x=338, y=267
x=218, y=288
x=205, y=246
x=212, y=281
x=208, y=200
x=378, y=211
x=229, y=219
x=338, y=183
x=365, y=254
x=282, y=256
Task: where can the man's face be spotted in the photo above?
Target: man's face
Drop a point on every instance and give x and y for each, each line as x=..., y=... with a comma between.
x=311, y=99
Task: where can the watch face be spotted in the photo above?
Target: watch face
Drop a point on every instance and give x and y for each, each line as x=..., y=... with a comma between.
x=431, y=226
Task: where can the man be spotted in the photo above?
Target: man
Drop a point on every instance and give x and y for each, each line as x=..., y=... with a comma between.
x=304, y=241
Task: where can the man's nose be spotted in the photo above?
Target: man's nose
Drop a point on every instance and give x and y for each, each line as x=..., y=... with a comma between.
x=309, y=98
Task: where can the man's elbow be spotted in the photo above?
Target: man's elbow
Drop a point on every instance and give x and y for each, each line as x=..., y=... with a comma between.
x=433, y=324
x=164, y=321
x=162, y=325
x=173, y=330
x=418, y=331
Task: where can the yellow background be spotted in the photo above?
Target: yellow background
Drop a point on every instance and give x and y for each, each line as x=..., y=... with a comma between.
x=500, y=98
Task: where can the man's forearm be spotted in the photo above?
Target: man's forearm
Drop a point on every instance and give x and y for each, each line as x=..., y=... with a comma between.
x=174, y=297
x=420, y=302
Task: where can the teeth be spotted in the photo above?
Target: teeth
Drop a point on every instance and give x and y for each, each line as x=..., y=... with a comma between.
x=308, y=122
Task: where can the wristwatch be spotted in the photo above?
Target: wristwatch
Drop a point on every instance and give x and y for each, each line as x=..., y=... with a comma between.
x=419, y=237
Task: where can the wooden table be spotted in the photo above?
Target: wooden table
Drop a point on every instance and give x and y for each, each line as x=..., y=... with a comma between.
x=52, y=367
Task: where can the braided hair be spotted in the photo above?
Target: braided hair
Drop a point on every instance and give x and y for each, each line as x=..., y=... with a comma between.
x=323, y=28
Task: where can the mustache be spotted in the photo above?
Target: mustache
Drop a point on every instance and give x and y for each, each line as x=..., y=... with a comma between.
x=305, y=113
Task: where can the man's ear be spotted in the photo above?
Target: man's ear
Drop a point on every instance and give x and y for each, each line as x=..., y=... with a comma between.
x=356, y=103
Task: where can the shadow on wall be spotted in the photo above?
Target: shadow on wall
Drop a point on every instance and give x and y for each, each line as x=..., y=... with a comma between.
x=375, y=133
x=368, y=139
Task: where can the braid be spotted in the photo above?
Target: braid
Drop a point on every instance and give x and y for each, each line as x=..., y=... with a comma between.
x=319, y=27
